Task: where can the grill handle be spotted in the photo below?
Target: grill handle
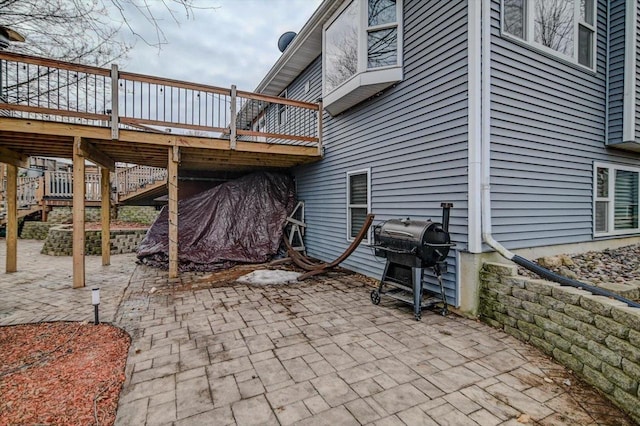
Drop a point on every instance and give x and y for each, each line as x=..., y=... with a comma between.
x=394, y=232
x=385, y=248
x=446, y=214
x=439, y=245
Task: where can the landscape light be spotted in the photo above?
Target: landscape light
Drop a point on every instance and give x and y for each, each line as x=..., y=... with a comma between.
x=95, y=301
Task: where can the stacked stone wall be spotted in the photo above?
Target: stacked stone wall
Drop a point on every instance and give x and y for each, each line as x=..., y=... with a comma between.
x=36, y=230
x=59, y=241
x=596, y=337
x=138, y=214
x=64, y=214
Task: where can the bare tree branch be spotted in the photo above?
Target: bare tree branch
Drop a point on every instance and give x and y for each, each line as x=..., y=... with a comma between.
x=88, y=31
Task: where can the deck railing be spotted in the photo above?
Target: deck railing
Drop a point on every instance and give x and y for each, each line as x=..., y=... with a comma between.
x=29, y=190
x=132, y=179
x=59, y=185
x=45, y=89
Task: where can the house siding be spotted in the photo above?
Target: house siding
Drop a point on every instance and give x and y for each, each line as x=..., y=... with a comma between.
x=616, y=70
x=413, y=137
x=547, y=129
x=637, y=74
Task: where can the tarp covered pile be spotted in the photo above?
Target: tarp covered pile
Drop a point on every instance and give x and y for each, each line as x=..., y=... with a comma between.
x=237, y=221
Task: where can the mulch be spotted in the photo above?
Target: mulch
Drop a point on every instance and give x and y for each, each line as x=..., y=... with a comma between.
x=61, y=373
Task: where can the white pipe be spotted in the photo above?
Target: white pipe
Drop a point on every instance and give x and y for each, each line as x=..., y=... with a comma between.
x=474, y=72
x=486, y=134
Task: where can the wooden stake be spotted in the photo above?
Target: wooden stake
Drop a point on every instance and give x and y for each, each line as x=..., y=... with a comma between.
x=105, y=204
x=78, y=215
x=172, y=182
x=12, y=219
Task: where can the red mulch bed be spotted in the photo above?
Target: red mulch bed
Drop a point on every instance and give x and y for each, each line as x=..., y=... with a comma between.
x=61, y=373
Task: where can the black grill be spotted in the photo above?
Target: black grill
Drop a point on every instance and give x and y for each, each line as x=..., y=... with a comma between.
x=409, y=246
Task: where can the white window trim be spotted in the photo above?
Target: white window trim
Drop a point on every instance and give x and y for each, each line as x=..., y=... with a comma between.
x=364, y=75
x=530, y=42
x=611, y=231
x=367, y=240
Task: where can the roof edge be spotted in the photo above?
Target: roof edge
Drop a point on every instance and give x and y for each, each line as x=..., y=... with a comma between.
x=318, y=18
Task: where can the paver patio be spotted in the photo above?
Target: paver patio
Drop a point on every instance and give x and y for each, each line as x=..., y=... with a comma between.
x=312, y=353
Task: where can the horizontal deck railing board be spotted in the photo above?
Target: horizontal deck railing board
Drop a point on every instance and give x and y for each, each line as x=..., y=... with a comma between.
x=46, y=89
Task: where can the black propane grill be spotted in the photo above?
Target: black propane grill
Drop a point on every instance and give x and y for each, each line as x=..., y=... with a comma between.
x=410, y=246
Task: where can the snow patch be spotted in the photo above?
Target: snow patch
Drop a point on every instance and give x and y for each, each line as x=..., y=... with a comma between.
x=268, y=276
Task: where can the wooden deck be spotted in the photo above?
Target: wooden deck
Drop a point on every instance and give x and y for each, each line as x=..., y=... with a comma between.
x=133, y=118
x=25, y=137
x=52, y=108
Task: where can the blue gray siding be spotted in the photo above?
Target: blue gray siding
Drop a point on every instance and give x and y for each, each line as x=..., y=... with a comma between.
x=547, y=129
x=413, y=137
x=637, y=76
x=616, y=70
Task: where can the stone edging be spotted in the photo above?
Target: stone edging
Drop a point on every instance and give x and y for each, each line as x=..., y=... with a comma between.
x=59, y=241
x=596, y=337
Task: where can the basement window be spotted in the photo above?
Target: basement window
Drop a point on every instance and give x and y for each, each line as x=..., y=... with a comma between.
x=362, y=52
x=616, y=200
x=358, y=201
x=563, y=28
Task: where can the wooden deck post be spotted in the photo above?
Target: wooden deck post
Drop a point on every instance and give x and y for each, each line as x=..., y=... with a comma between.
x=78, y=214
x=320, y=149
x=233, y=128
x=172, y=182
x=2, y=184
x=12, y=218
x=105, y=204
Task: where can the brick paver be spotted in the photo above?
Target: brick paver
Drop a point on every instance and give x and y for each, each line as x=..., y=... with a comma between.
x=313, y=353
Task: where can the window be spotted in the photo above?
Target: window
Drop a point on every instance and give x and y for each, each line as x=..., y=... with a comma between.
x=259, y=125
x=616, y=200
x=566, y=28
x=362, y=52
x=283, y=110
x=358, y=201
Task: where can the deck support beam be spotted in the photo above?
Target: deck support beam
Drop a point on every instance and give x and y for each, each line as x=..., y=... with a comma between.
x=78, y=214
x=93, y=154
x=14, y=158
x=172, y=183
x=12, y=219
x=105, y=214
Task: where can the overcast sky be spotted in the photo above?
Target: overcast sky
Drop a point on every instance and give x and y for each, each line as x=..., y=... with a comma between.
x=233, y=42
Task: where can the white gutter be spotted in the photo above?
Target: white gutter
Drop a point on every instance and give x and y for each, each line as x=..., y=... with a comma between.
x=486, y=133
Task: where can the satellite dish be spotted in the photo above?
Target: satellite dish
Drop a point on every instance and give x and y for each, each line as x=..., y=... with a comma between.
x=285, y=39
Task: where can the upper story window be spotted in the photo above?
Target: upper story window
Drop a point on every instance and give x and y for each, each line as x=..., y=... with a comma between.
x=616, y=200
x=566, y=28
x=362, y=52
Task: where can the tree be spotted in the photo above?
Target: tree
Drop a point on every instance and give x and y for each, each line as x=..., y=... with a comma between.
x=87, y=31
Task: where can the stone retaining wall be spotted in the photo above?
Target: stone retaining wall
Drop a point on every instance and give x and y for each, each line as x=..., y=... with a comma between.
x=596, y=337
x=59, y=241
x=138, y=214
x=36, y=230
x=65, y=214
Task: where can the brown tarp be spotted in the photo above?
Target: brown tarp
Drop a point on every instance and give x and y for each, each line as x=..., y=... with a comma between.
x=237, y=221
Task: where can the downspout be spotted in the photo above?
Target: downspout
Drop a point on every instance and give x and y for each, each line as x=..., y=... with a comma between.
x=485, y=147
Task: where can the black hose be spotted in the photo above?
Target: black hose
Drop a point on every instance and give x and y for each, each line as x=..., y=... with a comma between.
x=545, y=273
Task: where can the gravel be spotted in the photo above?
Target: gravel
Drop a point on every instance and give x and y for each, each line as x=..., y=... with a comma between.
x=614, y=269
